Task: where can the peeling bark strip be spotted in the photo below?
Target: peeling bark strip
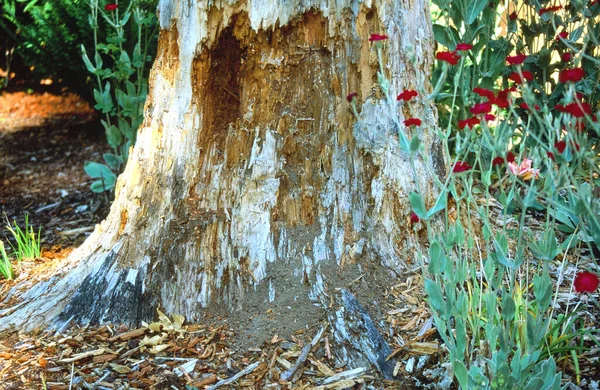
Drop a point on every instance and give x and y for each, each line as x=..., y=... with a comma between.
x=359, y=339
x=249, y=166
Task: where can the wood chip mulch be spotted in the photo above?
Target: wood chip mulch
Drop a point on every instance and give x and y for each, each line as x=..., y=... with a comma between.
x=170, y=355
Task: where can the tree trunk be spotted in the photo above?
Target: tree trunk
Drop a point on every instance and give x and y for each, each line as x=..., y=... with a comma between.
x=251, y=184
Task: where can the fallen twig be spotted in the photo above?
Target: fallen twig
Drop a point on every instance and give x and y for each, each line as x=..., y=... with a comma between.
x=287, y=374
x=237, y=376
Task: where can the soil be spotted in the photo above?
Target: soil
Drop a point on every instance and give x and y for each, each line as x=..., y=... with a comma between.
x=45, y=139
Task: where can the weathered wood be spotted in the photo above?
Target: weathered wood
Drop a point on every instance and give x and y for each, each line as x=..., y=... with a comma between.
x=360, y=343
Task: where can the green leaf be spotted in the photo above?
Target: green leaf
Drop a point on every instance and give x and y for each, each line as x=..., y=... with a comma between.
x=508, y=308
x=447, y=36
x=96, y=170
x=86, y=60
x=436, y=299
x=461, y=374
x=113, y=161
x=416, y=202
x=414, y=144
x=440, y=204
x=437, y=259
x=100, y=186
x=473, y=10
x=542, y=289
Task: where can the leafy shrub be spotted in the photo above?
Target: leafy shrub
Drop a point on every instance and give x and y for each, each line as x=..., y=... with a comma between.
x=46, y=35
x=120, y=68
x=517, y=123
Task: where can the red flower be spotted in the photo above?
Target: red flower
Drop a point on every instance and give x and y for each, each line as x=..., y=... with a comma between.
x=562, y=35
x=464, y=46
x=516, y=60
x=484, y=93
x=516, y=77
x=549, y=9
x=573, y=75
x=460, y=167
x=470, y=122
x=510, y=157
x=586, y=282
x=566, y=57
x=513, y=16
x=449, y=56
x=550, y=155
x=351, y=96
x=501, y=100
x=412, y=121
x=525, y=106
x=560, y=108
x=489, y=117
x=497, y=161
x=414, y=218
x=481, y=108
x=578, y=110
x=377, y=37
x=111, y=7
x=407, y=94
x=560, y=146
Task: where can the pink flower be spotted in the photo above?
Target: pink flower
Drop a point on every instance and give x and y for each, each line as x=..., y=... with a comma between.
x=524, y=170
x=563, y=35
x=586, y=282
x=489, y=117
x=111, y=7
x=516, y=60
x=461, y=166
x=464, y=46
x=412, y=121
x=351, y=96
x=513, y=16
x=407, y=94
x=560, y=146
x=550, y=155
x=566, y=57
x=377, y=37
x=414, y=218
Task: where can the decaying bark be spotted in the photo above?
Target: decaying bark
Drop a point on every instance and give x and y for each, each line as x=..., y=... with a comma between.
x=250, y=173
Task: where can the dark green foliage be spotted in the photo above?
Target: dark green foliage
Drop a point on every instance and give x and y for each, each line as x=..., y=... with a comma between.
x=47, y=35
